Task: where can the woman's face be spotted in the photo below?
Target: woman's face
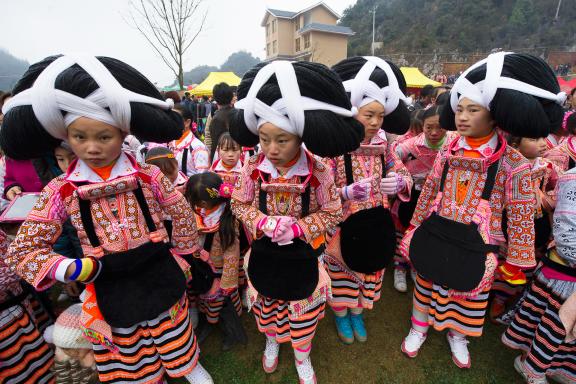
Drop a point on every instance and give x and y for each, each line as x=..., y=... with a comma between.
x=230, y=155
x=371, y=116
x=64, y=157
x=279, y=146
x=472, y=119
x=96, y=143
x=432, y=130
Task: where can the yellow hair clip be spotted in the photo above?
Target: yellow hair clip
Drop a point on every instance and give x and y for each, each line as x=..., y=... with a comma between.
x=212, y=192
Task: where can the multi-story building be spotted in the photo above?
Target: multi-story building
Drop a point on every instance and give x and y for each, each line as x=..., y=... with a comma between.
x=309, y=35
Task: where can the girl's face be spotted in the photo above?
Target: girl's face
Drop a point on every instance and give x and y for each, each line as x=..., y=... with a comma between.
x=230, y=154
x=279, y=146
x=473, y=120
x=96, y=143
x=432, y=130
x=64, y=157
x=532, y=148
x=371, y=116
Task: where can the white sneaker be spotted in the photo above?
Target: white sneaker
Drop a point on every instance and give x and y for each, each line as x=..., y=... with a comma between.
x=459, y=348
x=199, y=376
x=270, y=357
x=305, y=371
x=521, y=369
x=412, y=343
x=194, y=316
x=400, y=280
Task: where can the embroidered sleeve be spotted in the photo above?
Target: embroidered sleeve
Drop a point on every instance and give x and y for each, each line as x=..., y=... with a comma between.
x=199, y=160
x=184, y=233
x=429, y=192
x=548, y=196
x=520, y=202
x=31, y=254
x=329, y=213
x=394, y=164
x=243, y=198
x=231, y=259
x=402, y=150
x=564, y=223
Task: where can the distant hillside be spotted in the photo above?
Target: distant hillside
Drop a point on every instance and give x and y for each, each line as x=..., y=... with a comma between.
x=463, y=26
x=11, y=69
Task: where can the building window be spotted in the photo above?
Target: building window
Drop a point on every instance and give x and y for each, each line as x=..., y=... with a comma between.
x=297, y=44
x=268, y=49
x=273, y=26
x=267, y=29
x=274, y=46
x=307, y=41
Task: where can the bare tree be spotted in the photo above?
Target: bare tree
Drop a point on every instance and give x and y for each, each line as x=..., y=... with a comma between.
x=170, y=27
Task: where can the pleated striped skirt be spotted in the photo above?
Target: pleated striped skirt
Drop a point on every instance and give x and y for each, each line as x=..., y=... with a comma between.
x=274, y=317
x=444, y=312
x=347, y=291
x=212, y=308
x=24, y=355
x=148, y=350
x=538, y=331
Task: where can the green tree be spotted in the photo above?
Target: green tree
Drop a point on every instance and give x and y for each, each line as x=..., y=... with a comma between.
x=239, y=63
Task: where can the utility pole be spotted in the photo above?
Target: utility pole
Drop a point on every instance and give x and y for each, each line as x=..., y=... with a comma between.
x=558, y=10
x=373, y=26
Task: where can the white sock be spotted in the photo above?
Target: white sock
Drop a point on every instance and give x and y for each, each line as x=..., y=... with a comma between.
x=421, y=317
x=302, y=353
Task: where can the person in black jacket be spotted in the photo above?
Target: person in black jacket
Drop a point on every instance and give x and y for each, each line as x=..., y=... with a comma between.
x=223, y=95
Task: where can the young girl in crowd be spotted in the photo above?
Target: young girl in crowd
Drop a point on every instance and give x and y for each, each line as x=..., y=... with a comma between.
x=544, y=180
x=191, y=153
x=418, y=154
x=287, y=199
x=24, y=355
x=457, y=225
x=134, y=277
x=228, y=165
x=210, y=199
x=164, y=159
x=358, y=252
x=539, y=328
x=564, y=154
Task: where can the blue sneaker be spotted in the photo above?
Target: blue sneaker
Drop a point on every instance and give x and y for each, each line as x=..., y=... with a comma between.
x=344, y=329
x=357, y=322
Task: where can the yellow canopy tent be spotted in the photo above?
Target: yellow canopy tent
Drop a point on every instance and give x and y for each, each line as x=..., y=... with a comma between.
x=416, y=79
x=205, y=87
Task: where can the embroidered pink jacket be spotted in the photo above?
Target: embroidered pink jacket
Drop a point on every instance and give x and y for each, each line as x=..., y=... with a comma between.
x=512, y=191
x=562, y=153
x=545, y=176
x=9, y=281
x=366, y=163
x=228, y=176
x=118, y=220
x=418, y=157
x=198, y=155
x=284, y=197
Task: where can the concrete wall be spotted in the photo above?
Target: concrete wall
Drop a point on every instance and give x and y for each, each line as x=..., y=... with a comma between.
x=321, y=15
x=328, y=48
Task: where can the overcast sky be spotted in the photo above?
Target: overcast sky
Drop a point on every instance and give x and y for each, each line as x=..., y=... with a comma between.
x=34, y=29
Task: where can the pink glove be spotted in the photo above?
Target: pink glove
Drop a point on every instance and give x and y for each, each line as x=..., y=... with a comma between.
x=270, y=224
x=285, y=232
x=392, y=184
x=357, y=191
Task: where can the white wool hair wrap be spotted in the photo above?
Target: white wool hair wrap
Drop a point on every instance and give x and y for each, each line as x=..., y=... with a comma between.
x=48, y=103
x=483, y=92
x=286, y=113
x=364, y=91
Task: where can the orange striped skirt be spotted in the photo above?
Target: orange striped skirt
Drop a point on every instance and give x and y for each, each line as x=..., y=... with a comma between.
x=274, y=317
x=24, y=355
x=212, y=308
x=444, y=312
x=148, y=350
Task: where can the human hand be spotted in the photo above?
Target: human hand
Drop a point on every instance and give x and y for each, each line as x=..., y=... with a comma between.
x=13, y=192
x=392, y=184
x=358, y=191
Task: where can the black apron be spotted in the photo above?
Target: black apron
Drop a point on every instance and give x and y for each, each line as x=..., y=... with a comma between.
x=284, y=272
x=202, y=274
x=449, y=253
x=367, y=237
x=139, y=284
x=406, y=208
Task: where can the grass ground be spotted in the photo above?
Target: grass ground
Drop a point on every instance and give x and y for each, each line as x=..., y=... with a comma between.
x=379, y=360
